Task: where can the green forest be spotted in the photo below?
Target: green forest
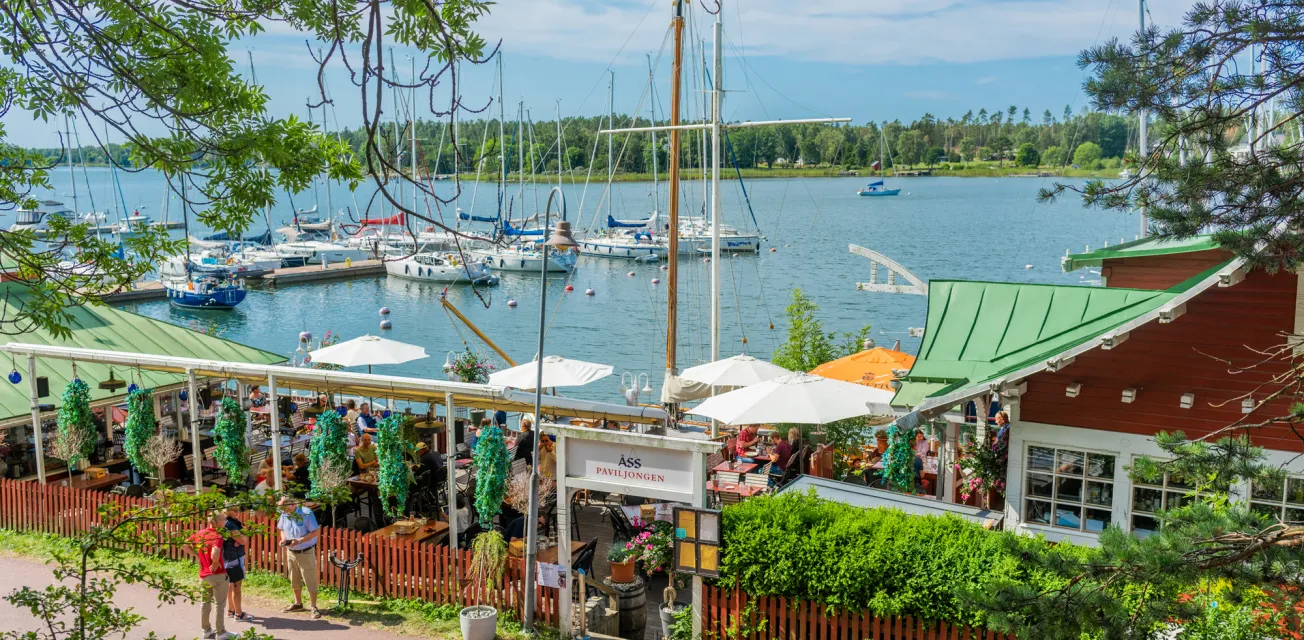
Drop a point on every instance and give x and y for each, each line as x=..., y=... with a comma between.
x=1010, y=137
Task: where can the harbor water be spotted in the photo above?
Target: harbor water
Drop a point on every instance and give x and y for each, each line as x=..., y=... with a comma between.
x=939, y=228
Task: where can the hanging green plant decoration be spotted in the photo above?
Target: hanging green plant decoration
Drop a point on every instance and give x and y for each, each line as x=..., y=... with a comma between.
x=490, y=474
x=75, y=415
x=141, y=426
x=899, y=465
x=232, y=453
x=393, y=475
x=329, y=450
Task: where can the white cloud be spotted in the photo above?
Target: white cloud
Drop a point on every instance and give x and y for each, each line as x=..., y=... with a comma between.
x=868, y=31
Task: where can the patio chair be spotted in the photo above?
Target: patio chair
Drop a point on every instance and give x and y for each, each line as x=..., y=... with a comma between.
x=621, y=527
x=729, y=477
x=136, y=491
x=363, y=524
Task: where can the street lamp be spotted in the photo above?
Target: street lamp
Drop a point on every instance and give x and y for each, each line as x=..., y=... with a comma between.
x=561, y=239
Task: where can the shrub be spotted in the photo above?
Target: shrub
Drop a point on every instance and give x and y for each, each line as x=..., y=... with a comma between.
x=1086, y=154
x=884, y=560
x=1054, y=157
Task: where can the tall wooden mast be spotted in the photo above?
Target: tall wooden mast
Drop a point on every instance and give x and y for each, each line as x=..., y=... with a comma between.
x=672, y=290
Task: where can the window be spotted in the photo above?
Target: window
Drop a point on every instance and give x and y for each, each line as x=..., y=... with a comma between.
x=1283, y=500
x=1069, y=489
x=1149, y=498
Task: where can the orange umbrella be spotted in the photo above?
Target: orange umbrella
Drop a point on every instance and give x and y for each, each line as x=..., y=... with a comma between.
x=871, y=367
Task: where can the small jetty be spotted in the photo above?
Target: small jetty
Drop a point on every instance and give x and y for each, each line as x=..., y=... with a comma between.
x=154, y=290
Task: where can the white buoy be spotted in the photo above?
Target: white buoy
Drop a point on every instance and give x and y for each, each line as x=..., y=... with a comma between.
x=384, y=311
x=772, y=249
x=386, y=324
x=706, y=259
x=1027, y=266
x=664, y=267
x=589, y=292
x=511, y=304
x=656, y=280
x=630, y=274
x=787, y=245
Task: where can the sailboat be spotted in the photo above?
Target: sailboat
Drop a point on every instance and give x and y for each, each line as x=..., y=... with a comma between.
x=216, y=291
x=877, y=188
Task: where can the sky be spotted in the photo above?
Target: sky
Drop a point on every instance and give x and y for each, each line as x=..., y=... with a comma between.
x=863, y=59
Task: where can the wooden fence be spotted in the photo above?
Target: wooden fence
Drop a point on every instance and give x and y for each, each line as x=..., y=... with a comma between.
x=731, y=614
x=390, y=568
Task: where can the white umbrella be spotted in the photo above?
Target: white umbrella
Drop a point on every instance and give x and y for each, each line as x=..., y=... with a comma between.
x=735, y=371
x=796, y=398
x=557, y=372
x=368, y=351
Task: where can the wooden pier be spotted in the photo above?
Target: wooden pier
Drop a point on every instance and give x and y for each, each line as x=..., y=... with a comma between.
x=153, y=290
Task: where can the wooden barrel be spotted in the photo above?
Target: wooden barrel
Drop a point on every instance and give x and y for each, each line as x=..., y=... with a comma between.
x=632, y=607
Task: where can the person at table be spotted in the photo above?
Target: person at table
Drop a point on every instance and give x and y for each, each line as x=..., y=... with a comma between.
x=364, y=455
x=299, y=534
x=516, y=530
x=525, y=442
x=781, y=453
x=921, y=444
x=256, y=397
x=366, y=421
x=300, y=475
x=748, y=437
x=351, y=414
x=794, y=439
x=431, y=462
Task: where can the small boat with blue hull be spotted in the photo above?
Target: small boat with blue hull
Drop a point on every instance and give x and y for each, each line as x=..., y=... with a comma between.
x=876, y=188
x=205, y=293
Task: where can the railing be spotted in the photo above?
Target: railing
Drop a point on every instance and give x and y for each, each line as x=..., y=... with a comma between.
x=390, y=567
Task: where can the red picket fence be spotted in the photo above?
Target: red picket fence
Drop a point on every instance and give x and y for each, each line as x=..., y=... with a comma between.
x=390, y=568
x=734, y=615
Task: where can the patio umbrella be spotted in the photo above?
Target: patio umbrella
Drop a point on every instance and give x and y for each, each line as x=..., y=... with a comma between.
x=368, y=351
x=799, y=398
x=557, y=372
x=871, y=367
x=734, y=371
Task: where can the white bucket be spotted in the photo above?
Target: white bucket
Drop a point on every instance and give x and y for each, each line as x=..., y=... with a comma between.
x=479, y=622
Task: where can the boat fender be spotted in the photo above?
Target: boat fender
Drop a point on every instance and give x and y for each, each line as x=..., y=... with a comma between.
x=511, y=304
x=589, y=292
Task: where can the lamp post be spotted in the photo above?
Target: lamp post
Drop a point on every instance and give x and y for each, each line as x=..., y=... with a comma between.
x=562, y=239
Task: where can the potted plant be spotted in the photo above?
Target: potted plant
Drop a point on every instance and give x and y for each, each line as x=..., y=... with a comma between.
x=622, y=558
x=488, y=562
x=881, y=438
x=669, y=609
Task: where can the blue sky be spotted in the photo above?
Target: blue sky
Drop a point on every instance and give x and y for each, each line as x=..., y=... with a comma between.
x=863, y=59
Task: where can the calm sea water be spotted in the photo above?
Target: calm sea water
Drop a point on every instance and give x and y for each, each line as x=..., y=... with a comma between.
x=939, y=228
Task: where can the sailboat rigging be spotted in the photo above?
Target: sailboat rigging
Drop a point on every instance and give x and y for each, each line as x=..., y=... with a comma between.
x=877, y=188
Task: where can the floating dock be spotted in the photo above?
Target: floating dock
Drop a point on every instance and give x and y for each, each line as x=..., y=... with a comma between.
x=153, y=290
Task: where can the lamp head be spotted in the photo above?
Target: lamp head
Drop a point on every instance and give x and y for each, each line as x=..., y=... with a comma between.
x=561, y=237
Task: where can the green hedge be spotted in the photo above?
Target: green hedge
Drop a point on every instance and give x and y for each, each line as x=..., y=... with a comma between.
x=884, y=560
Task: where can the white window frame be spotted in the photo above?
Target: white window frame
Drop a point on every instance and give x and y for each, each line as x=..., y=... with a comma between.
x=1164, y=487
x=1054, y=500
x=1282, y=503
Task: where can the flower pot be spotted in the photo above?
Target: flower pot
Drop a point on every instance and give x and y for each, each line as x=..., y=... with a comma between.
x=479, y=622
x=622, y=571
x=668, y=611
x=882, y=445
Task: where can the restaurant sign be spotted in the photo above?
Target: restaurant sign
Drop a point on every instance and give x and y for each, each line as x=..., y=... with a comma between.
x=630, y=465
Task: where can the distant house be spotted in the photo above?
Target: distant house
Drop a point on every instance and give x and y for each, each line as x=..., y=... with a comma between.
x=1089, y=375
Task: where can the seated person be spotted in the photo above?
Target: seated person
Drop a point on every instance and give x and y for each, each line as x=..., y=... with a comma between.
x=780, y=455
x=256, y=397
x=364, y=455
x=430, y=461
x=300, y=476
x=516, y=530
x=748, y=437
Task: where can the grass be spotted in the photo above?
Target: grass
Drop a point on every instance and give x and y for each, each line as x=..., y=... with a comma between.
x=267, y=590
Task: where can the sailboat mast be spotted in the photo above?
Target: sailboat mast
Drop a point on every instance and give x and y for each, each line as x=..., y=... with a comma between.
x=414, y=133
x=502, y=139
x=520, y=150
x=672, y=276
x=1142, y=142
x=882, y=164
x=611, y=146
x=72, y=175
x=717, y=98
x=330, y=206
x=561, y=153
x=652, y=110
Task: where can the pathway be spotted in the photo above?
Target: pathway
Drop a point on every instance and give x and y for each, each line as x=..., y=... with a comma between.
x=181, y=619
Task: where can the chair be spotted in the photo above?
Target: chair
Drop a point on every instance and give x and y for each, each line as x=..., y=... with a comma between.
x=731, y=448
x=136, y=491
x=119, y=490
x=518, y=467
x=714, y=460
x=189, y=459
x=575, y=517
x=728, y=497
x=761, y=480
x=170, y=483
x=363, y=524
x=621, y=527
x=728, y=477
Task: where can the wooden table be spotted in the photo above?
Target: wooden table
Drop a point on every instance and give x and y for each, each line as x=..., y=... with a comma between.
x=740, y=467
x=549, y=555
x=432, y=531
x=98, y=484
x=743, y=490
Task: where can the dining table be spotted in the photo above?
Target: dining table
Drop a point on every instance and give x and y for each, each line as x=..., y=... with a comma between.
x=733, y=466
x=549, y=555
x=744, y=490
x=430, y=531
x=107, y=481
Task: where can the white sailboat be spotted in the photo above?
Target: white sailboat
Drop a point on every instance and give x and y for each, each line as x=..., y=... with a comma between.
x=442, y=268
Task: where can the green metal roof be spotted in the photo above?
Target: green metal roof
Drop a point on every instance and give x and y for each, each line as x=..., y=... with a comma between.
x=100, y=327
x=1137, y=249
x=978, y=331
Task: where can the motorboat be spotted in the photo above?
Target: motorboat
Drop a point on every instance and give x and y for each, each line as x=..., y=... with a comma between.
x=440, y=267
x=524, y=259
x=205, y=292
x=317, y=252
x=133, y=224
x=38, y=218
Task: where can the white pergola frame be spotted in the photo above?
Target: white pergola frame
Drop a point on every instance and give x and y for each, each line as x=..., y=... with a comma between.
x=697, y=448
x=431, y=391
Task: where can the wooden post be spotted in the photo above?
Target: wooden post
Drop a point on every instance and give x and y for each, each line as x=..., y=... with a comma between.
x=450, y=437
x=197, y=451
x=563, y=536
x=276, y=431
x=36, y=419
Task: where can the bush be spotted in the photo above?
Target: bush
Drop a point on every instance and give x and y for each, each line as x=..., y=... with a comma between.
x=1053, y=157
x=1027, y=155
x=1086, y=154
x=884, y=560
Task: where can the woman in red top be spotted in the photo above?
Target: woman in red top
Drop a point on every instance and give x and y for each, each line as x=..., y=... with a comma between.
x=212, y=575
